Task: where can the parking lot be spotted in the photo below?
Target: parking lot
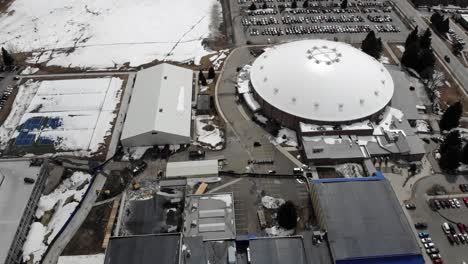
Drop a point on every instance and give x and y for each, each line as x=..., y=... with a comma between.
x=449, y=212
x=274, y=21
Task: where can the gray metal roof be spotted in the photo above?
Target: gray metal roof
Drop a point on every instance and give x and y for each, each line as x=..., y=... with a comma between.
x=160, y=102
x=338, y=150
x=200, y=221
x=192, y=168
x=195, y=246
x=365, y=219
x=148, y=249
x=277, y=250
x=203, y=102
x=14, y=196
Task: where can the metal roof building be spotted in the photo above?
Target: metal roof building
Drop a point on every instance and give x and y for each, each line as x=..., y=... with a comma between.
x=320, y=80
x=146, y=249
x=160, y=107
x=365, y=223
x=205, y=168
x=277, y=250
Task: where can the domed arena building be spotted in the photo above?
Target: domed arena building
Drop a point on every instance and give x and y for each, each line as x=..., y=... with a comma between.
x=321, y=82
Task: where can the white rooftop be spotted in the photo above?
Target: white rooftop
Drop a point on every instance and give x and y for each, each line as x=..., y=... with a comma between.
x=322, y=80
x=161, y=101
x=192, y=168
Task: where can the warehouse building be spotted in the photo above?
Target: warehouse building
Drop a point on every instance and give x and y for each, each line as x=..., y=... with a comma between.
x=197, y=168
x=160, y=111
x=364, y=222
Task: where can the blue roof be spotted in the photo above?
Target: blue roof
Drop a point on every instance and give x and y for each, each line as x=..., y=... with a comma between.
x=378, y=176
x=405, y=259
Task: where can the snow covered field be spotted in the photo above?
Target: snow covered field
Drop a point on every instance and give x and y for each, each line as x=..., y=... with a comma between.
x=79, y=112
x=208, y=133
x=109, y=33
x=62, y=202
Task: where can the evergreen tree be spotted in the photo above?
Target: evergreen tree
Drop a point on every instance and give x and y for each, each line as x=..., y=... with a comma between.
x=450, y=159
x=436, y=20
x=451, y=117
x=264, y=6
x=426, y=63
x=252, y=7
x=202, y=79
x=372, y=45
x=445, y=26
x=344, y=4
x=378, y=48
x=305, y=4
x=294, y=4
x=7, y=58
x=464, y=154
x=287, y=215
x=412, y=37
x=425, y=40
x=410, y=57
x=452, y=140
x=211, y=73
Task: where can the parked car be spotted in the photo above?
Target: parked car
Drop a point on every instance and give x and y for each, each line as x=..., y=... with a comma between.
x=432, y=250
x=446, y=228
x=137, y=167
x=461, y=227
x=420, y=225
x=29, y=180
x=196, y=154
x=447, y=58
x=457, y=202
x=423, y=234
x=428, y=245
x=456, y=239
x=463, y=187
x=437, y=261
x=465, y=200
x=450, y=239
x=426, y=240
x=435, y=256
x=410, y=206
x=462, y=238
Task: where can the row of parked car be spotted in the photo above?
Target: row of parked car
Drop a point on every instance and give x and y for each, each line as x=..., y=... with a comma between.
x=437, y=204
x=261, y=21
x=454, y=237
x=5, y=97
x=321, y=19
x=430, y=247
x=379, y=18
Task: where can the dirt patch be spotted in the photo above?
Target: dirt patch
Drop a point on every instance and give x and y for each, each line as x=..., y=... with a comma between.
x=4, y=5
x=450, y=92
x=88, y=239
x=115, y=184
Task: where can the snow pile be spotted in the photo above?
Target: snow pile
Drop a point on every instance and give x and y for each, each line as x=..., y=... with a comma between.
x=243, y=80
x=84, y=108
x=350, y=170
x=401, y=48
x=208, y=133
x=287, y=136
x=271, y=202
x=135, y=152
x=251, y=102
x=29, y=70
x=82, y=259
x=422, y=126
x=109, y=33
x=279, y=231
x=363, y=125
x=26, y=93
x=386, y=124
x=261, y=118
x=62, y=202
x=218, y=59
x=384, y=60
x=330, y=140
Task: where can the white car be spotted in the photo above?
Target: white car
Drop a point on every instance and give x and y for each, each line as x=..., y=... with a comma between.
x=457, y=202
x=429, y=245
x=426, y=240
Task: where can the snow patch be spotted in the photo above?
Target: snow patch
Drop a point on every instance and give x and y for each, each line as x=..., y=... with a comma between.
x=287, y=136
x=29, y=70
x=279, y=231
x=82, y=259
x=208, y=133
x=243, y=79
x=271, y=202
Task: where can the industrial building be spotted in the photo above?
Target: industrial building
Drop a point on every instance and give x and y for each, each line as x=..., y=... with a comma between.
x=364, y=222
x=317, y=81
x=160, y=110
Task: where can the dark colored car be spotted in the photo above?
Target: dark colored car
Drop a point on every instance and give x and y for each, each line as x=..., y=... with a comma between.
x=420, y=225
x=461, y=227
x=410, y=206
x=447, y=58
x=29, y=180
x=196, y=154
x=450, y=239
x=137, y=167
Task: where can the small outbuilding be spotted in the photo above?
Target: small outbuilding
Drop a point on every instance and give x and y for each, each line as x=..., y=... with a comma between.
x=160, y=110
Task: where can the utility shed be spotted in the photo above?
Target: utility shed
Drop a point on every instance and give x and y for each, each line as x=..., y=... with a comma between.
x=160, y=111
x=365, y=223
x=205, y=168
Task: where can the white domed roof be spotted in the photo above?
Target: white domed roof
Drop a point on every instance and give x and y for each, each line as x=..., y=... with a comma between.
x=322, y=80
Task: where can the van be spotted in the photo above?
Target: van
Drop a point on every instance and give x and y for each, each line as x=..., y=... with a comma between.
x=446, y=228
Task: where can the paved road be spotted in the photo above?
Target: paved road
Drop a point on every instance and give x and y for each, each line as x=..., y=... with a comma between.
x=437, y=44
x=86, y=205
x=240, y=128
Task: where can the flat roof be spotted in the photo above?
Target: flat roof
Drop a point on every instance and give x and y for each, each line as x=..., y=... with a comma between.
x=210, y=216
x=331, y=147
x=14, y=196
x=144, y=249
x=403, y=98
x=364, y=219
x=191, y=168
x=160, y=102
x=277, y=250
